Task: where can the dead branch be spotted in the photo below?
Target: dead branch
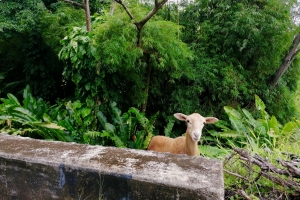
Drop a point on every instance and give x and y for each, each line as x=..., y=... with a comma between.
x=237, y=175
x=287, y=175
x=244, y=194
x=285, y=183
x=291, y=168
x=264, y=164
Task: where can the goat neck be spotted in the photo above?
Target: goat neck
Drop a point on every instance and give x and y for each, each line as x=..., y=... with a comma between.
x=191, y=146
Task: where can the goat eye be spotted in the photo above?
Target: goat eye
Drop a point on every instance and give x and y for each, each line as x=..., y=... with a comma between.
x=188, y=121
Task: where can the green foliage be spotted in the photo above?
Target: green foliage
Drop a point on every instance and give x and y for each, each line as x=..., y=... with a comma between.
x=18, y=16
x=32, y=116
x=81, y=66
x=253, y=133
x=131, y=129
x=72, y=121
x=214, y=152
x=108, y=64
x=76, y=119
x=30, y=43
x=238, y=47
x=56, y=24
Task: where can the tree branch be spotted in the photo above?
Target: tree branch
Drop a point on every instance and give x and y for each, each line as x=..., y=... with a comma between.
x=112, y=7
x=237, y=175
x=243, y=193
x=87, y=15
x=288, y=59
x=291, y=168
x=125, y=8
x=157, y=6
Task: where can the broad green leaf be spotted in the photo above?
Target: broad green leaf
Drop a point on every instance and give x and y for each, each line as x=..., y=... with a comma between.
x=249, y=117
x=27, y=92
x=87, y=86
x=109, y=128
x=74, y=44
x=6, y=101
x=261, y=127
x=116, y=112
x=88, y=120
x=231, y=112
x=274, y=125
x=236, y=119
x=26, y=113
x=47, y=118
x=66, y=124
x=76, y=78
x=94, y=52
x=101, y=118
x=85, y=112
x=49, y=125
x=229, y=133
x=290, y=127
x=84, y=39
x=3, y=117
x=13, y=99
x=76, y=104
x=59, y=134
x=259, y=104
x=73, y=56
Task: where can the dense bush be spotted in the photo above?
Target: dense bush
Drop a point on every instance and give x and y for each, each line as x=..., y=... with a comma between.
x=238, y=48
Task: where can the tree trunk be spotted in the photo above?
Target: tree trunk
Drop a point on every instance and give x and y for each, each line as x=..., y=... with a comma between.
x=288, y=59
x=112, y=7
x=86, y=7
x=87, y=15
x=146, y=90
x=139, y=25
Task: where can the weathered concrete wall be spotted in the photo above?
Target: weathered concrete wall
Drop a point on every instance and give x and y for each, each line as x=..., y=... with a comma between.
x=35, y=169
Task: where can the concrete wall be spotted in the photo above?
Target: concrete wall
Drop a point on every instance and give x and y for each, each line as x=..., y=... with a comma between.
x=35, y=169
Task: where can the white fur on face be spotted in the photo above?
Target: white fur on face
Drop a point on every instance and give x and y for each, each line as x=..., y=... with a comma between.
x=195, y=124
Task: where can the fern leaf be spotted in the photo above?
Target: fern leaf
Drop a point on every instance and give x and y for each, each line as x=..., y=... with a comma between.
x=147, y=140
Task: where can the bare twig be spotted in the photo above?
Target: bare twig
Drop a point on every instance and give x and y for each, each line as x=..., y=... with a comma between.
x=261, y=162
x=285, y=183
x=237, y=175
x=244, y=194
x=267, y=170
x=291, y=168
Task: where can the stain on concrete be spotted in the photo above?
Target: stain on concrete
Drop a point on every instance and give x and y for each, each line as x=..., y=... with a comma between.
x=62, y=177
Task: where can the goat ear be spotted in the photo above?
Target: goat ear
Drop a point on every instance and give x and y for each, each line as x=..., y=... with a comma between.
x=180, y=116
x=211, y=120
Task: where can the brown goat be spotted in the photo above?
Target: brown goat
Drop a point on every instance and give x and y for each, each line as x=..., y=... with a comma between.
x=184, y=144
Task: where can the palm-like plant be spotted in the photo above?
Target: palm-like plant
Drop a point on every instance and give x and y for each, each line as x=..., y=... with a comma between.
x=31, y=117
x=265, y=131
